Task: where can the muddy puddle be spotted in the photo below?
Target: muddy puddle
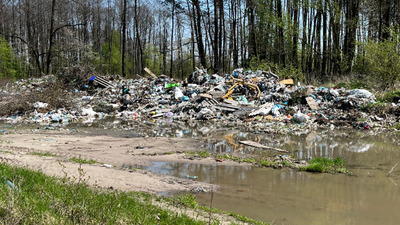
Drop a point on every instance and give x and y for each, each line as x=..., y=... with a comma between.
x=290, y=197
x=287, y=196
x=284, y=196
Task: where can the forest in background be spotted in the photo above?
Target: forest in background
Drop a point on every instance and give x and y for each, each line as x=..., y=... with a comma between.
x=310, y=40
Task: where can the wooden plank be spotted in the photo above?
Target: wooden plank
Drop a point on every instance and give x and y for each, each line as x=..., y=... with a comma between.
x=258, y=145
x=223, y=108
x=231, y=102
x=149, y=72
x=103, y=82
x=312, y=103
x=205, y=96
x=287, y=82
x=229, y=106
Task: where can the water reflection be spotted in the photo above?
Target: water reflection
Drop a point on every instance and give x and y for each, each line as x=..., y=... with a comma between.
x=292, y=197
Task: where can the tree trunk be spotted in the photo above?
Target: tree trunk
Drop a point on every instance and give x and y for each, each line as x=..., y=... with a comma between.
x=51, y=38
x=295, y=32
x=252, y=35
x=199, y=34
x=123, y=38
x=172, y=39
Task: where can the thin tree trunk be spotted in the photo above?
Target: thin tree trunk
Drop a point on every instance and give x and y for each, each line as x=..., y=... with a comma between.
x=172, y=38
x=51, y=38
x=123, y=38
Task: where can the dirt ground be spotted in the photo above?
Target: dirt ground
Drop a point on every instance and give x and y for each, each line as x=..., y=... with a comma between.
x=118, y=159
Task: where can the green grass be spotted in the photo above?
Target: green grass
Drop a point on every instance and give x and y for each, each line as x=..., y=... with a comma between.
x=7, y=152
x=237, y=159
x=83, y=161
x=42, y=199
x=201, y=154
x=377, y=107
x=397, y=126
x=276, y=164
x=391, y=95
x=48, y=154
x=326, y=165
x=189, y=201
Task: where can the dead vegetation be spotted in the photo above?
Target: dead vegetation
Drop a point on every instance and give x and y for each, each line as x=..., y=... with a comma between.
x=55, y=92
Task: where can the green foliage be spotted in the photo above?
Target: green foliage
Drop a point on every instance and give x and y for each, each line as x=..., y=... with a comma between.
x=376, y=107
x=41, y=199
x=10, y=66
x=82, y=161
x=237, y=159
x=382, y=61
x=187, y=200
x=47, y=154
x=283, y=72
x=203, y=154
x=266, y=163
x=326, y=165
x=154, y=59
x=391, y=96
x=352, y=84
x=112, y=57
x=397, y=126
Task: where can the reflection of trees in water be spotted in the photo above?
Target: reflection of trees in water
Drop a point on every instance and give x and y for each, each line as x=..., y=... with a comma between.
x=206, y=173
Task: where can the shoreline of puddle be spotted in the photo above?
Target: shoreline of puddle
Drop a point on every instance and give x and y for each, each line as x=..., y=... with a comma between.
x=284, y=196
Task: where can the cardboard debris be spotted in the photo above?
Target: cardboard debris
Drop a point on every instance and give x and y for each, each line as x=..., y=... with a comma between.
x=287, y=82
x=312, y=103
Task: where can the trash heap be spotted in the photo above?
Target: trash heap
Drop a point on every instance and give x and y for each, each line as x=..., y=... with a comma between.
x=246, y=96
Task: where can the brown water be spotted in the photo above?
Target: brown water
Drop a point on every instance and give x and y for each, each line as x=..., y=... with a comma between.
x=291, y=197
x=287, y=196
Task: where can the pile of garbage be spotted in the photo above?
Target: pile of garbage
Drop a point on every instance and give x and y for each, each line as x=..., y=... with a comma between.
x=246, y=96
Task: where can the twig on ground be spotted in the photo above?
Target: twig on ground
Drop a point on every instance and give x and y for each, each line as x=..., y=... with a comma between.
x=392, y=169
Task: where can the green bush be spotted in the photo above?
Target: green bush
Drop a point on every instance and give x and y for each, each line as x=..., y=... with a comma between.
x=382, y=60
x=10, y=66
x=283, y=72
x=391, y=95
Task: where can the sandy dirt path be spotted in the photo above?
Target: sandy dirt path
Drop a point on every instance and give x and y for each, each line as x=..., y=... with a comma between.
x=27, y=148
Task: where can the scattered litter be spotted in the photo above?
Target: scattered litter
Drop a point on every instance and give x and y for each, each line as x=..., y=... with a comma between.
x=11, y=185
x=243, y=96
x=40, y=105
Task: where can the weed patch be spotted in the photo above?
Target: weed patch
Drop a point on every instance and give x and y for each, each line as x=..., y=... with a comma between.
x=47, y=154
x=201, y=154
x=82, y=161
x=237, y=159
x=326, y=165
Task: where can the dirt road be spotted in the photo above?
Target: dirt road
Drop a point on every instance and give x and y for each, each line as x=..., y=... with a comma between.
x=117, y=159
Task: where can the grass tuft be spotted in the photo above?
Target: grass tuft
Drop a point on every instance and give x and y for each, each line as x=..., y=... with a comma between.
x=47, y=154
x=326, y=165
x=83, y=161
x=237, y=159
